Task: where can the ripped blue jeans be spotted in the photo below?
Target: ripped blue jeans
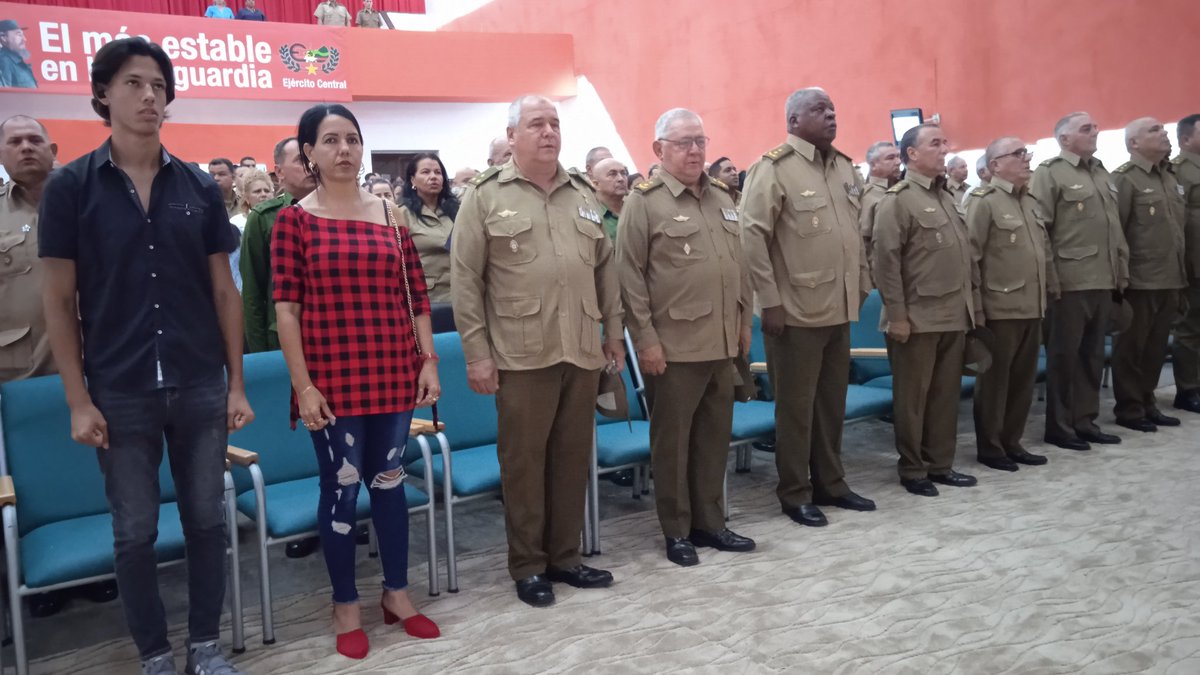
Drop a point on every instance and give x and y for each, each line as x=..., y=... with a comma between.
x=356, y=450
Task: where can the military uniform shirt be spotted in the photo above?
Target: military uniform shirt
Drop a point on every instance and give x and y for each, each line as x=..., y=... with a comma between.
x=681, y=270
x=431, y=233
x=1151, y=207
x=532, y=274
x=24, y=346
x=1187, y=172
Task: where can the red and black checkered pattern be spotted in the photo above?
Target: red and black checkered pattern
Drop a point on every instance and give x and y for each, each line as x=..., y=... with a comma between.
x=358, y=340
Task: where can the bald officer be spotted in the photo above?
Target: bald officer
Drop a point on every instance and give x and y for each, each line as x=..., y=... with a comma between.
x=533, y=281
x=1186, y=355
x=689, y=312
x=930, y=289
x=1010, y=247
x=1077, y=198
x=809, y=268
x=1151, y=207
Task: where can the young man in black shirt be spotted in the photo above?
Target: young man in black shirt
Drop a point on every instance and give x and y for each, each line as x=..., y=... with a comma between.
x=141, y=238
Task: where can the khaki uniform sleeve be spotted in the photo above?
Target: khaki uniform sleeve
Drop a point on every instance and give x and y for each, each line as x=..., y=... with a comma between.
x=891, y=235
x=864, y=263
x=1124, y=200
x=760, y=207
x=468, y=264
x=1044, y=191
x=1053, y=288
x=633, y=257
x=979, y=223
x=608, y=289
x=747, y=297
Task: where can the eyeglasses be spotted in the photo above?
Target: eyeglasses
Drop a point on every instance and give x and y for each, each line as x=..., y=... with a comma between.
x=1022, y=153
x=700, y=142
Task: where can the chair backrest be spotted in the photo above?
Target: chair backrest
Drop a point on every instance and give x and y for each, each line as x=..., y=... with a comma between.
x=865, y=333
x=284, y=454
x=55, y=478
x=470, y=418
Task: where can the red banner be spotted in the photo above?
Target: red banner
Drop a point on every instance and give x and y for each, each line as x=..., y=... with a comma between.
x=50, y=50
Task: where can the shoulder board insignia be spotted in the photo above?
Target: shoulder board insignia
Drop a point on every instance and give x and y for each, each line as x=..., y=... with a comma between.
x=1177, y=160
x=782, y=151
x=581, y=180
x=488, y=174
x=982, y=190
x=1048, y=162
x=1124, y=167
x=721, y=184
x=646, y=186
x=902, y=185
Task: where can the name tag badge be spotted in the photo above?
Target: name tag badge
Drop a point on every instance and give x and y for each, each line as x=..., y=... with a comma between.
x=730, y=215
x=1182, y=192
x=589, y=215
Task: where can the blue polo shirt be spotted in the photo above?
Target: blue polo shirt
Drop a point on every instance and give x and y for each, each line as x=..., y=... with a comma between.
x=145, y=290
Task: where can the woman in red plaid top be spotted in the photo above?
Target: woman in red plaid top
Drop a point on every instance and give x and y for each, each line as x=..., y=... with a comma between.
x=346, y=313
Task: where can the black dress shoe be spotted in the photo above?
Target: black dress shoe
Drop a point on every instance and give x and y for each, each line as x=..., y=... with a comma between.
x=42, y=605
x=953, y=479
x=1140, y=424
x=100, y=591
x=681, y=552
x=806, y=514
x=849, y=501
x=764, y=446
x=536, y=591
x=624, y=477
x=1163, y=420
x=1097, y=436
x=1188, y=400
x=920, y=486
x=725, y=540
x=581, y=576
x=999, y=463
x=1068, y=443
x=1026, y=457
x=301, y=548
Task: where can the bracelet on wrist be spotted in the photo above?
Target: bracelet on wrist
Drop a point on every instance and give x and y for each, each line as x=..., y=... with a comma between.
x=430, y=356
x=311, y=386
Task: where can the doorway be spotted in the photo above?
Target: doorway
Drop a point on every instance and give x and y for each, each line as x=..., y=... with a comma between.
x=391, y=164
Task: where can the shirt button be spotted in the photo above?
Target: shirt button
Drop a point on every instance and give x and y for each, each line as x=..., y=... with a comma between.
x=151, y=247
x=160, y=332
x=156, y=305
x=147, y=220
x=154, y=275
x=132, y=191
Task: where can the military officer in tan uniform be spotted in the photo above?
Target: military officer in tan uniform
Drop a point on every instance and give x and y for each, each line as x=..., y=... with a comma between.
x=1077, y=198
x=883, y=171
x=688, y=308
x=800, y=230
x=956, y=178
x=1152, y=213
x=985, y=178
x=533, y=281
x=1010, y=247
x=27, y=155
x=1186, y=354
x=930, y=289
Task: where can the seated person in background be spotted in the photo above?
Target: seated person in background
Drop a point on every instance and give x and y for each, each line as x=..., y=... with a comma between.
x=429, y=208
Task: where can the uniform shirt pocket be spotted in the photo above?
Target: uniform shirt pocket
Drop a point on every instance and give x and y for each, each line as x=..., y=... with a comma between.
x=519, y=326
x=682, y=246
x=511, y=240
x=810, y=221
x=1150, y=208
x=16, y=253
x=1005, y=287
x=589, y=238
x=589, y=326
x=1075, y=201
x=16, y=349
x=815, y=291
x=934, y=231
x=1077, y=252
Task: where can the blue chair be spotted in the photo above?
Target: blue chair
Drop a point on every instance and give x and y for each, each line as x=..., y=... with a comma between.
x=865, y=333
x=57, y=526
x=279, y=486
x=464, y=463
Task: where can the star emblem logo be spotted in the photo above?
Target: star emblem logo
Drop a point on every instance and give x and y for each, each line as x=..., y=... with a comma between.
x=311, y=68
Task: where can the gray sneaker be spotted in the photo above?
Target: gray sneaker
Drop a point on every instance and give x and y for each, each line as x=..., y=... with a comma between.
x=160, y=665
x=207, y=659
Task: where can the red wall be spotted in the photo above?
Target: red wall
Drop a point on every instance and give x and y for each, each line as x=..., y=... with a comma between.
x=989, y=67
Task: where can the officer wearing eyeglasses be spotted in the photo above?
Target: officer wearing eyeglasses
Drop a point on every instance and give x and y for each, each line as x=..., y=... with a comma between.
x=1010, y=245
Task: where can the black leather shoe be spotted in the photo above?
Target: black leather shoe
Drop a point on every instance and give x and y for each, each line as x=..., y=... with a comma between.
x=1068, y=443
x=581, y=576
x=806, y=514
x=624, y=477
x=1163, y=420
x=999, y=463
x=953, y=479
x=920, y=486
x=764, y=446
x=681, y=552
x=1140, y=424
x=536, y=591
x=849, y=501
x=1026, y=457
x=725, y=540
x=100, y=591
x=42, y=605
x=1189, y=401
x=1097, y=436
x=301, y=548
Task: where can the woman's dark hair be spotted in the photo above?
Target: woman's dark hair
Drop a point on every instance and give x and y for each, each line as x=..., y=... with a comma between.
x=310, y=121
x=446, y=201
x=379, y=181
x=112, y=56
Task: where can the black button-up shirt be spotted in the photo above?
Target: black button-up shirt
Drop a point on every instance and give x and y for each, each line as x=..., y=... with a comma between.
x=145, y=290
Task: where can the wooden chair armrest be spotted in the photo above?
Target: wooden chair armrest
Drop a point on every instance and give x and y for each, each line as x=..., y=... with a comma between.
x=868, y=352
x=8, y=494
x=240, y=457
x=758, y=367
x=419, y=426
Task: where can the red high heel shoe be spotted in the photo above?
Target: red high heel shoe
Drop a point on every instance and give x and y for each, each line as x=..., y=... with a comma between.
x=417, y=625
x=353, y=644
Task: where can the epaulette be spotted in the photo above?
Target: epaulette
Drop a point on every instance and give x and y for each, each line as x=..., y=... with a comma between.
x=1178, y=160
x=1124, y=167
x=782, y=151
x=721, y=184
x=982, y=190
x=488, y=174
x=902, y=185
x=648, y=185
x=580, y=179
x=272, y=203
x=1048, y=162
